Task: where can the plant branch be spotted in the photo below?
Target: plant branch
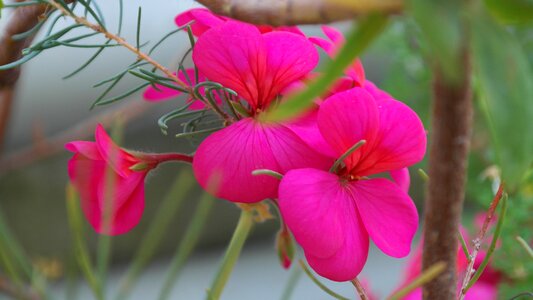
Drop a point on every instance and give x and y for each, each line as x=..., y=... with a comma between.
x=450, y=141
x=22, y=19
x=141, y=55
x=292, y=12
x=479, y=239
x=232, y=254
x=360, y=290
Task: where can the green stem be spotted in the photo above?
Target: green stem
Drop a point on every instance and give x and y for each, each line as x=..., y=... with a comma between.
x=232, y=254
x=348, y=152
x=188, y=244
x=320, y=284
x=294, y=277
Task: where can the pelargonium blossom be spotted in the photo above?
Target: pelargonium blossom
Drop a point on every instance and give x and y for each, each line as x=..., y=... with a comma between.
x=258, y=66
x=333, y=215
x=110, y=181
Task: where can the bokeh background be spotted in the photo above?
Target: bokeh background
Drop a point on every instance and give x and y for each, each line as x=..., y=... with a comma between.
x=47, y=109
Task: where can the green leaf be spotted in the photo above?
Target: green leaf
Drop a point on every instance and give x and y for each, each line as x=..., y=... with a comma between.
x=511, y=11
x=440, y=25
x=505, y=92
x=358, y=40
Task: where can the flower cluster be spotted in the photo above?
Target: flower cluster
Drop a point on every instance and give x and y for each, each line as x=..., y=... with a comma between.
x=336, y=159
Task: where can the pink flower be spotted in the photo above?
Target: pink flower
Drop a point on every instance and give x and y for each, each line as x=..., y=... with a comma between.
x=355, y=72
x=333, y=215
x=258, y=67
x=162, y=93
x=90, y=169
x=205, y=20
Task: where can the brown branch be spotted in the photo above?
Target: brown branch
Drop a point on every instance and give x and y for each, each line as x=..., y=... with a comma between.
x=45, y=148
x=141, y=55
x=359, y=288
x=292, y=12
x=450, y=141
x=22, y=19
x=479, y=239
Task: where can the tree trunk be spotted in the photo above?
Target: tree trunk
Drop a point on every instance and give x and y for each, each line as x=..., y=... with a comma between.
x=450, y=141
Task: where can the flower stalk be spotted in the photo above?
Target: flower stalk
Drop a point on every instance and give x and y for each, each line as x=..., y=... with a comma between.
x=232, y=254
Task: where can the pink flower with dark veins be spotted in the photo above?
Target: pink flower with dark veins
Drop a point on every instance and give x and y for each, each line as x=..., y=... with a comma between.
x=101, y=171
x=333, y=215
x=258, y=66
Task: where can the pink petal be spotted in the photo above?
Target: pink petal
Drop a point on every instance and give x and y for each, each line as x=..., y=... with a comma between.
x=401, y=142
x=118, y=189
x=164, y=93
x=153, y=95
x=127, y=203
x=239, y=65
x=85, y=175
x=87, y=149
x=89, y=177
x=416, y=294
x=333, y=34
x=290, y=57
x=326, y=45
x=357, y=72
x=402, y=178
x=321, y=213
x=117, y=158
x=306, y=128
x=347, y=118
x=232, y=153
x=292, y=29
x=378, y=94
x=256, y=66
x=482, y=290
x=203, y=20
x=389, y=215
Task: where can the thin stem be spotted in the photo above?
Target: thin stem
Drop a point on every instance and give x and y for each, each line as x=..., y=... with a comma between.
x=348, y=152
x=320, y=284
x=267, y=172
x=463, y=245
x=187, y=244
x=359, y=287
x=294, y=277
x=524, y=245
x=492, y=246
x=479, y=239
x=141, y=55
x=232, y=254
x=419, y=281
